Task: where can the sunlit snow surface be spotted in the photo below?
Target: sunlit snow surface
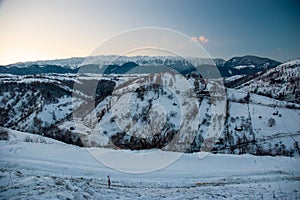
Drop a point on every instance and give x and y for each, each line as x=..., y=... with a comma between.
x=45, y=169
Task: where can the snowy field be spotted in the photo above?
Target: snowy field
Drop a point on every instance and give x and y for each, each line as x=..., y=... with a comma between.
x=46, y=169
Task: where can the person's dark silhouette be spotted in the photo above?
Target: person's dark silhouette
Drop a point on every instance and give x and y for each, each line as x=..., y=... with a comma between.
x=108, y=182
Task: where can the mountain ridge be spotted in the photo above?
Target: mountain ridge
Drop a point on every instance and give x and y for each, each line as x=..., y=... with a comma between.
x=242, y=65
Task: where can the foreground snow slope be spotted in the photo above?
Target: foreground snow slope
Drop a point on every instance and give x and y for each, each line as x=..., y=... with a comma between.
x=60, y=171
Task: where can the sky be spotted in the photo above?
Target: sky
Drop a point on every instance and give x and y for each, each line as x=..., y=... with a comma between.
x=39, y=30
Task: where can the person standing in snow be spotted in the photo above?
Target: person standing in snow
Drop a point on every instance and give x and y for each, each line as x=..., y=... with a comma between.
x=108, y=182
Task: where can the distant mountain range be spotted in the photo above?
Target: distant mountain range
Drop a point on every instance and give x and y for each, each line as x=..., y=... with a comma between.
x=243, y=65
x=36, y=69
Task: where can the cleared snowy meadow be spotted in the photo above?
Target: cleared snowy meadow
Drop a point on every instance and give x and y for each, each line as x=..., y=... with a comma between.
x=47, y=169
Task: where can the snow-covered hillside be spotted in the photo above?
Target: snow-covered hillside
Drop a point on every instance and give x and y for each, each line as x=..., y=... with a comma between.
x=87, y=111
x=282, y=82
x=31, y=170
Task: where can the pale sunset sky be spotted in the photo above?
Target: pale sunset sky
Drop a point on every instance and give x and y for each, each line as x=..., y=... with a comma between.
x=38, y=30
